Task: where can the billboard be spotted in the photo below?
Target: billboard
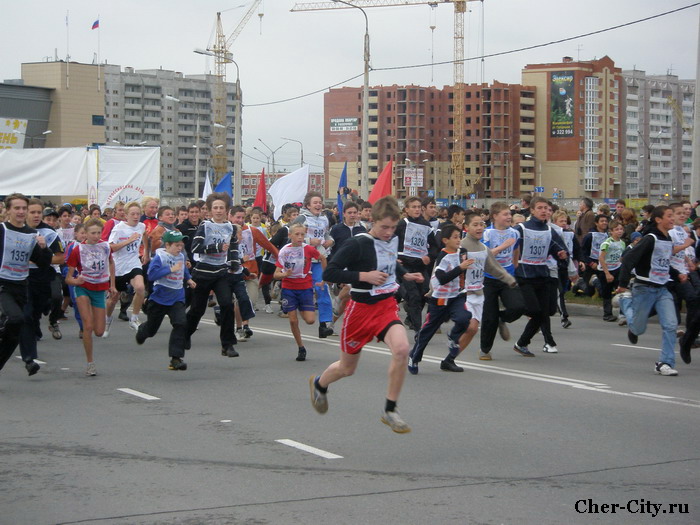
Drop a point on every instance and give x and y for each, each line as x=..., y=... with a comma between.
x=343, y=124
x=412, y=177
x=561, y=110
x=10, y=138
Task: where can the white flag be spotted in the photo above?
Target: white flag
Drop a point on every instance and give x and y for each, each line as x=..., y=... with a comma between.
x=207, y=188
x=290, y=188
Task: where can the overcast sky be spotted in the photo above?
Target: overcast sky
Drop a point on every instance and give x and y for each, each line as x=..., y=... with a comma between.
x=283, y=54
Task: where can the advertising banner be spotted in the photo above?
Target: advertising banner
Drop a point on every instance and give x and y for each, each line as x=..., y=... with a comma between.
x=412, y=177
x=127, y=174
x=343, y=124
x=561, y=117
x=9, y=138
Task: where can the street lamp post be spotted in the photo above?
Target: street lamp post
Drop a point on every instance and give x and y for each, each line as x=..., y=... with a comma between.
x=272, y=152
x=300, y=145
x=267, y=157
x=364, y=186
x=32, y=137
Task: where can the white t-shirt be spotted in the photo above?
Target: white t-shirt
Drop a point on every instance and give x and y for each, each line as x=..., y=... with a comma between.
x=126, y=258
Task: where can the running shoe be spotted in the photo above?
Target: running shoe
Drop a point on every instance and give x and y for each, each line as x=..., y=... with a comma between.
x=247, y=331
x=240, y=335
x=393, y=419
x=412, y=366
x=324, y=331
x=134, y=322
x=282, y=314
x=268, y=309
x=108, y=324
x=123, y=316
x=665, y=369
x=319, y=400
x=140, y=337
x=55, y=331
x=621, y=321
x=177, y=364
x=485, y=356
x=91, y=370
x=503, y=331
x=609, y=318
x=550, y=349
x=565, y=323
x=633, y=338
x=301, y=355
x=229, y=351
x=212, y=301
x=523, y=351
x=448, y=365
x=32, y=367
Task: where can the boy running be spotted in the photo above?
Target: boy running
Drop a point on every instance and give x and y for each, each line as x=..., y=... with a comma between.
x=369, y=262
x=294, y=268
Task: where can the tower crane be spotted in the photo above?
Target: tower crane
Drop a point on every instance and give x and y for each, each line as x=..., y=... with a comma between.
x=221, y=51
x=678, y=114
x=461, y=181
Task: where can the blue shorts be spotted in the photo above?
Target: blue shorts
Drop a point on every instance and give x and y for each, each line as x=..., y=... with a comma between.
x=97, y=299
x=302, y=300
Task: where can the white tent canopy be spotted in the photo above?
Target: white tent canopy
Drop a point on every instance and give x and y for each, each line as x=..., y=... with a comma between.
x=104, y=175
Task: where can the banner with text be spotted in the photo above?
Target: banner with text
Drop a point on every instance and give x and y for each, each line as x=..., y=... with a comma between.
x=562, y=104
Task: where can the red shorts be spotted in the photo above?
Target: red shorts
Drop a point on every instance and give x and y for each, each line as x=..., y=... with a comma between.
x=363, y=322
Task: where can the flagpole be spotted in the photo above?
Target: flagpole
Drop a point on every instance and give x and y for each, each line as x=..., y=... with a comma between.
x=67, y=52
x=98, y=54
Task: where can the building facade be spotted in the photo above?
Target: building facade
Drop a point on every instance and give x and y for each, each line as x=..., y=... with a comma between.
x=24, y=116
x=658, y=141
x=413, y=127
x=578, y=128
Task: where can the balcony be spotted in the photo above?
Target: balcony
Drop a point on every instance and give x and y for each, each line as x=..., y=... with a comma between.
x=527, y=113
x=527, y=151
x=527, y=101
x=373, y=112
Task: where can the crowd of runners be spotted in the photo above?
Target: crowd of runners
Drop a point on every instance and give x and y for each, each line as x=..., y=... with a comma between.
x=478, y=269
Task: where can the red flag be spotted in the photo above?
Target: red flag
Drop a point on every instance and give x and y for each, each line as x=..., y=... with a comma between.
x=261, y=196
x=384, y=185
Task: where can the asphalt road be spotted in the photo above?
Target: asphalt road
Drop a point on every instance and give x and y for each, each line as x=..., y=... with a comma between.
x=549, y=440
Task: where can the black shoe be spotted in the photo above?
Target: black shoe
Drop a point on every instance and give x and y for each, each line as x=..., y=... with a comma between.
x=217, y=315
x=632, y=337
x=32, y=367
x=301, y=356
x=247, y=331
x=448, y=365
x=123, y=316
x=177, y=364
x=140, y=337
x=324, y=331
x=609, y=318
x=685, y=345
x=565, y=323
x=229, y=351
x=523, y=351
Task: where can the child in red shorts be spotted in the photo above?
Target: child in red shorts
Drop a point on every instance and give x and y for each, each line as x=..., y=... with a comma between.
x=294, y=268
x=369, y=262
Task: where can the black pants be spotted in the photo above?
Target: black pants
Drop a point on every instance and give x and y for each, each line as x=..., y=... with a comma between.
x=222, y=289
x=413, y=294
x=178, y=320
x=38, y=303
x=692, y=317
x=607, y=290
x=512, y=299
x=551, y=309
x=454, y=310
x=536, y=296
x=13, y=297
x=685, y=292
x=564, y=286
x=56, y=299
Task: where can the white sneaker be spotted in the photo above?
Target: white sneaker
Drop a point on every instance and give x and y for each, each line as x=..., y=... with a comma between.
x=550, y=349
x=665, y=370
x=268, y=309
x=134, y=323
x=108, y=324
x=622, y=320
x=91, y=370
x=240, y=335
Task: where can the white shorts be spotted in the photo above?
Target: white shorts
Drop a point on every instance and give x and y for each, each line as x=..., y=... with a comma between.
x=475, y=305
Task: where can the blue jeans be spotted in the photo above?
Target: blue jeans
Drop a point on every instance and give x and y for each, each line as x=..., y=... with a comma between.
x=323, y=297
x=644, y=298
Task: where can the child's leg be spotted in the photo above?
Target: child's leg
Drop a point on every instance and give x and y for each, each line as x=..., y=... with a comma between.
x=98, y=321
x=111, y=303
x=178, y=320
x=397, y=341
x=433, y=319
x=468, y=335
x=85, y=308
x=139, y=293
x=294, y=325
x=344, y=367
x=156, y=313
x=309, y=317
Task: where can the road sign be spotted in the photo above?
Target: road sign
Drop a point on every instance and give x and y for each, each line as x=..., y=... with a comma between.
x=555, y=195
x=539, y=189
x=472, y=196
x=431, y=193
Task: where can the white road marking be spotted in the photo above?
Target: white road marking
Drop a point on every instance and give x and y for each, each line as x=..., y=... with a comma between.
x=653, y=395
x=640, y=347
x=564, y=381
x=36, y=360
x=136, y=393
x=65, y=368
x=225, y=421
x=309, y=449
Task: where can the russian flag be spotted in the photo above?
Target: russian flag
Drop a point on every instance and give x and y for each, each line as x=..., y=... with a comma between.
x=96, y=24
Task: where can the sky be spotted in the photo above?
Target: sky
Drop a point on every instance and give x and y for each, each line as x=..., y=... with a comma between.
x=285, y=54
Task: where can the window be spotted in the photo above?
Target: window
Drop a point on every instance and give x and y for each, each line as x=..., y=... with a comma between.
x=98, y=120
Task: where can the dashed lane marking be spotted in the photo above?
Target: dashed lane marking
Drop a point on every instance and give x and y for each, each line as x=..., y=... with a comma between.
x=308, y=448
x=659, y=396
x=147, y=397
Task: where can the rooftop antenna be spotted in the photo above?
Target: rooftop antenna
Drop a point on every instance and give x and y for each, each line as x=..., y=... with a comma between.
x=260, y=16
x=433, y=22
x=578, y=52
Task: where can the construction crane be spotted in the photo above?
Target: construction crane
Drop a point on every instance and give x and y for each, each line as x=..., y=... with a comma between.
x=679, y=115
x=221, y=51
x=463, y=183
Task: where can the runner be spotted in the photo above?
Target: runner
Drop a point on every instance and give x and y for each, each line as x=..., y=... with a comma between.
x=168, y=270
x=95, y=267
x=125, y=241
x=610, y=261
x=294, y=268
x=590, y=251
x=19, y=245
x=280, y=237
x=369, y=262
x=446, y=300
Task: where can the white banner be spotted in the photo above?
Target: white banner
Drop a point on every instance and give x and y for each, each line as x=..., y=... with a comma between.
x=127, y=174
x=9, y=139
x=43, y=171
